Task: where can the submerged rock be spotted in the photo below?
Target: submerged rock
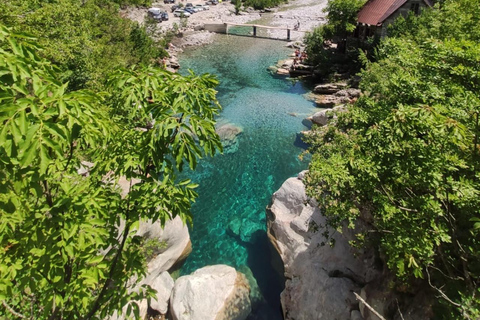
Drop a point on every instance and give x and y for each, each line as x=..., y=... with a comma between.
x=228, y=135
x=256, y=297
x=216, y=292
x=244, y=230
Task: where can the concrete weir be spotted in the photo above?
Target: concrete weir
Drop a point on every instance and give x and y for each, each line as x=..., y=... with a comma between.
x=223, y=28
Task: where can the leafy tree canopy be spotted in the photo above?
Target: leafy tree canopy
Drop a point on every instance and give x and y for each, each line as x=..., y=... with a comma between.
x=341, y=17
x=406, y=156
x=85, y=39
x=63, y=254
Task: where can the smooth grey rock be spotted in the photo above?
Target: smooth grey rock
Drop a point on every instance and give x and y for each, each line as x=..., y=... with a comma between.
x=329, y=88
x=256, y=296
x=321, y=117
x=216, y=292
x=356, y=315
x=320, y=278
x=163, y=284
x=174, y=237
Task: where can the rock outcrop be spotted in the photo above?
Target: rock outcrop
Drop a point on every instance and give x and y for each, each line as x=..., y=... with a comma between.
x=175, y=240
x=339, y=97
x=322, y=117
x=320, y=278
x=329, y=88
x=174, y=247
x=216, y=292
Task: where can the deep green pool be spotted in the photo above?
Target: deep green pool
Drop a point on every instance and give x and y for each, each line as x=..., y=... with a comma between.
x=235, y=187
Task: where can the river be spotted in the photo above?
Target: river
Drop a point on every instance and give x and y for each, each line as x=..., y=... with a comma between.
x=229, y=223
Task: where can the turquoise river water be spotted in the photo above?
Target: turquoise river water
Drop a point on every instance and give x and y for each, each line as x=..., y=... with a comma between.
x=229, y=222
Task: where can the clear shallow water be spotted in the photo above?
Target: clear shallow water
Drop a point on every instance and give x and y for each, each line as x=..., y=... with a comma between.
x=235, y=187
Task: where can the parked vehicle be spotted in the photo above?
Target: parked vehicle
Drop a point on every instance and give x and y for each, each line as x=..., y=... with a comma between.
x=212, y=2
x=188, y=5
x=168, y=1
x=199, y=7
x=181, y=13
x=189, y=10
x=156, y=14
x=206, y=7
x=164, y=15
x=175, y=7
x=154, y=11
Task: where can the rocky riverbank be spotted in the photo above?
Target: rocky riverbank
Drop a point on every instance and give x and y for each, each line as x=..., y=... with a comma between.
x=322, y=280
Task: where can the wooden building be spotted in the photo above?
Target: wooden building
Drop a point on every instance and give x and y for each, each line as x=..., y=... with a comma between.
x=376, y=15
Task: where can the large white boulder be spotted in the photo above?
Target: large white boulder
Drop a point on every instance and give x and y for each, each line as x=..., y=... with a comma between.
x=174, y=245
x=174, y=239
x=319, y=278
x=216, y=292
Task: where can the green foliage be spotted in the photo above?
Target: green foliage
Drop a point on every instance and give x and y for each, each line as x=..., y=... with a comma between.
x=406, y=156
x=342, y=17
x=153, y=247
x=85, y=39
x=341, y=21
x=262, y=4
x=314, y=42
x=238, y=6
x=63, y=253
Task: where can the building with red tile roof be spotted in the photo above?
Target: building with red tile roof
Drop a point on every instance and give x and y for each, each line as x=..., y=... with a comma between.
x=376, y=15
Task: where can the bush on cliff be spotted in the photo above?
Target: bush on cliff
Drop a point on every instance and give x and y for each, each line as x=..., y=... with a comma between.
x=406, y=156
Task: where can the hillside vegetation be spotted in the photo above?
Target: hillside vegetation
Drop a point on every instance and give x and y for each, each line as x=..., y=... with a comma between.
x=406, y=156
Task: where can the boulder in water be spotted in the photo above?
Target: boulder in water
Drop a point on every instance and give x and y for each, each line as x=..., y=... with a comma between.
x=228, y=135
x=211, y=293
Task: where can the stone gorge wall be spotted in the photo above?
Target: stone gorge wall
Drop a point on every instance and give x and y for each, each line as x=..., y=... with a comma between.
x=321, y=279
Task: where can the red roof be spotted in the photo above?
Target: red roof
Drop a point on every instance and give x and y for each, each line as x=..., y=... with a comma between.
x=374, y=12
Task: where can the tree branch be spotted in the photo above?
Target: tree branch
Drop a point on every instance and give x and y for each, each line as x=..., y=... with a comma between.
x=368, y=306
x=109, y=280
x=442, y=294
x=15, y=313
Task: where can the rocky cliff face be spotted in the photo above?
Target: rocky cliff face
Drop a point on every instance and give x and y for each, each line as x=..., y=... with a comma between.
x=320, y=277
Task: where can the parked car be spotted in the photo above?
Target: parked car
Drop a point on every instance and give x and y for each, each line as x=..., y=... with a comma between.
x=212, y=2
x=154, y=11
x=206, y=7
x=199, y=7
x=168, y=1
x=156, y=14
x=189, y=10
x=164, y=15
x=175, y=7
x=181, y=13
x=189, y=5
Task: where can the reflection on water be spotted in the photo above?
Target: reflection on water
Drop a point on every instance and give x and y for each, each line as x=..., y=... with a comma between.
x=235, y=187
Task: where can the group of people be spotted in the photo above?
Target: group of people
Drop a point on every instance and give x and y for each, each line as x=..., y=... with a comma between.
x=300, y=56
